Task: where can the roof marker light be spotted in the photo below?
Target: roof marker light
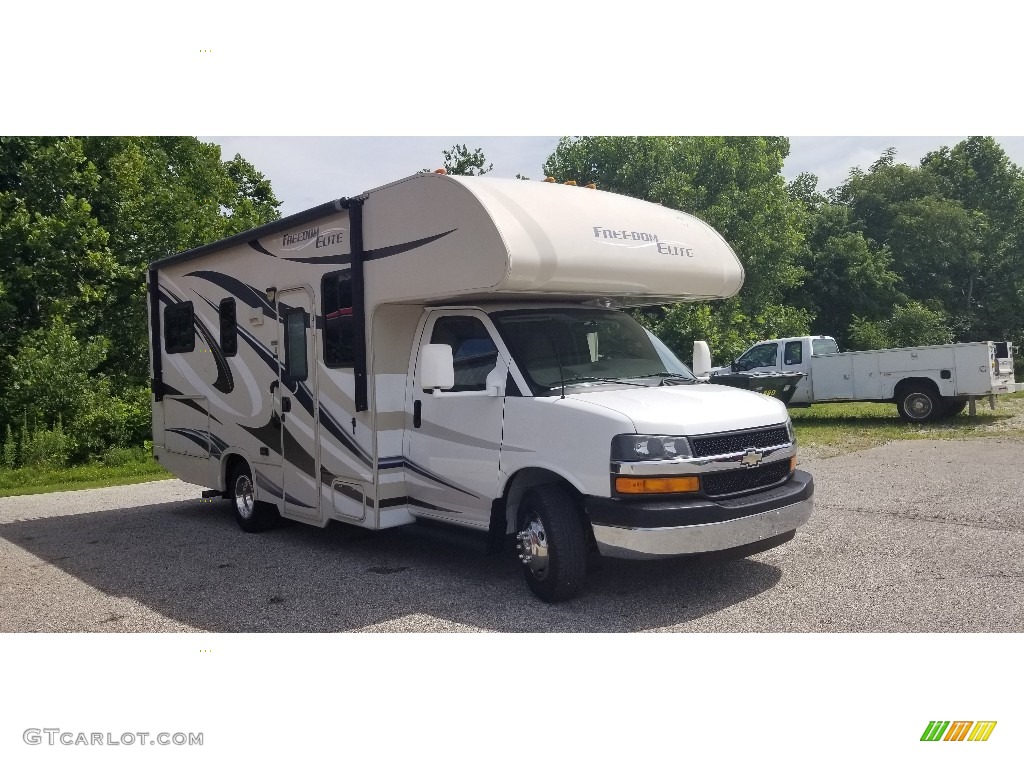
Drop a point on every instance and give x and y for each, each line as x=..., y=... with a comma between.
x=550, y=179
x=441, y=171
x=570, y=183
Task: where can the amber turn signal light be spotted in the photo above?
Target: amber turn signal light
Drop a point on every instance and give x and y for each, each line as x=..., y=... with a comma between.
x=657, y=484
x=792, y=462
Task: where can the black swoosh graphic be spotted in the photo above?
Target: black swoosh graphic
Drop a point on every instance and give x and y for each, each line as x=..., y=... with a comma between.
x=179, y=397
x=257, y=246
x=370, y=255
x=334, y=428
x=206, y=440
x=269, y=434
x=298, y=456
x=277, y=492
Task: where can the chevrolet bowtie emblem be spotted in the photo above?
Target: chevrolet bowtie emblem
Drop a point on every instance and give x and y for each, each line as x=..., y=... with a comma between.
x=751, y=458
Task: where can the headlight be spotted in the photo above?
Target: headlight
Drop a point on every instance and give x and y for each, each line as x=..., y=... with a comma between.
x=790, y=431
x=649, y=447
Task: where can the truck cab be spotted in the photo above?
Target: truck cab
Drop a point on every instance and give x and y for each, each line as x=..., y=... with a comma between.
x=791, y=354
x=533, y=413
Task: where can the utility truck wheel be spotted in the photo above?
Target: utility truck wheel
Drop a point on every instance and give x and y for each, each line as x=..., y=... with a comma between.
x=252, y=516
x=951, y=406
x=552, y=544
x=917, y=404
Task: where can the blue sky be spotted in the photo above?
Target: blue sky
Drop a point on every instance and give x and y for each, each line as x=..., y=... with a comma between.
x=306, y=171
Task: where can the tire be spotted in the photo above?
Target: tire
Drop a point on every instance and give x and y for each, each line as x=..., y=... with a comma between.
x=252, y=516
x=918, y=404
x=951, y=406
x=552, y=544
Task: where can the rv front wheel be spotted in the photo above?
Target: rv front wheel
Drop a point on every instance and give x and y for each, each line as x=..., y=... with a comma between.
x=252, y=516
x=552, y=544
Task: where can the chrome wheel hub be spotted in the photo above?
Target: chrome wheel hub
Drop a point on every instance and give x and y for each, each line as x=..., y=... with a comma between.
x=244, y=497
x=919, y=406
x=533, y=546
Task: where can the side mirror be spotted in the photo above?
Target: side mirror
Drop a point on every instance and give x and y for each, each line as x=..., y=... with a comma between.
x=701, y=358
x=437, y=367
x=734, y=366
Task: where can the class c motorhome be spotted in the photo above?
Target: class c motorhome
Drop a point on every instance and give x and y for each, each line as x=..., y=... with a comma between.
x=445, y=348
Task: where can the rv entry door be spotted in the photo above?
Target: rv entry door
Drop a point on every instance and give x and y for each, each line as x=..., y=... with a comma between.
x=296, y=403
x=453, y=437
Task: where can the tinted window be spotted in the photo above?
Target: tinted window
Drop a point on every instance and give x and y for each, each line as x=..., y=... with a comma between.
x=761, y=356
x=794, y=353
x=228, y=328
x=295, y=362
x=339, y=330
x=473, y=350
x=179, y=328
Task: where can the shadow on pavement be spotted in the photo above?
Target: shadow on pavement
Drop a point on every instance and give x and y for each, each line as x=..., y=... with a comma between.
x=189, y=562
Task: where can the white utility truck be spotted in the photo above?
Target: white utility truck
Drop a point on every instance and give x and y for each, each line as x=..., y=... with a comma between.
x=925, y=382
x=444, y=348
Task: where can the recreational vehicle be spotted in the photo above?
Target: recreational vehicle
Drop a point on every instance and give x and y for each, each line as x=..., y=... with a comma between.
x=448, y=349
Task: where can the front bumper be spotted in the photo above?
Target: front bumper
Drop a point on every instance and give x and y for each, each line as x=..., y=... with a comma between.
x=641, y=530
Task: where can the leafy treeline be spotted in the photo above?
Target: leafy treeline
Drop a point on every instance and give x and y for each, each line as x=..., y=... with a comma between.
x=80, y=219
x=897, y=255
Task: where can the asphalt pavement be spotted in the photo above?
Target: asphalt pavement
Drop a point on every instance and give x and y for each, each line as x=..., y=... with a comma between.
x=914, y=536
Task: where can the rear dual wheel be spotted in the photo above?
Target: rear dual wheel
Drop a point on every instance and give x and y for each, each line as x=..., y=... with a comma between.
x=252, y=516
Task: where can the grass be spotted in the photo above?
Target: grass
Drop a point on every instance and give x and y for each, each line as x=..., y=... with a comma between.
x=834, y=428
x=27, y=480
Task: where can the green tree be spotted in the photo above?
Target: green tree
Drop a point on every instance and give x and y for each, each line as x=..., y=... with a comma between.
x=162, y=195
x=952, y=228
x=80, y=220
x=910, y=325
x=846, y=275
x=460, y=161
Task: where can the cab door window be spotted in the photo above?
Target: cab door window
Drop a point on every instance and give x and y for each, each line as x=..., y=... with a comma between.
x=761, y=356
x=473, y=350
x=794, y=353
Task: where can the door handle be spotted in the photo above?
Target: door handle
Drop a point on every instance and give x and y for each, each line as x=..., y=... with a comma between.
x=417, y=413
x=286, y=405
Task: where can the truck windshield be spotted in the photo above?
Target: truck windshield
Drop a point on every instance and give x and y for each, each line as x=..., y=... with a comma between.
x=583, y=347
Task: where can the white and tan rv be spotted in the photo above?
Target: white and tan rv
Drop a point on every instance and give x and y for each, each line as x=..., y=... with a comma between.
x=446, y=348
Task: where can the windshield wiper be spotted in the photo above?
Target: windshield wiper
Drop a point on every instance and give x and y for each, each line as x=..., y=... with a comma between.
x=578, y=379
x=681, y=377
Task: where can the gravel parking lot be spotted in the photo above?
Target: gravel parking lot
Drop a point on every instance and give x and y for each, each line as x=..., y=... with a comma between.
x=917, y=536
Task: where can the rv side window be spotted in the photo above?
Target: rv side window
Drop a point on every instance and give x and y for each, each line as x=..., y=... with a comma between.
x=295, y=364
x=473, y=350
x=179, y=329
x=228, y=328
x=339, y=331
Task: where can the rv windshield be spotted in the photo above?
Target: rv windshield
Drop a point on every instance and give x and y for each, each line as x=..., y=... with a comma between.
x=584, y=347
